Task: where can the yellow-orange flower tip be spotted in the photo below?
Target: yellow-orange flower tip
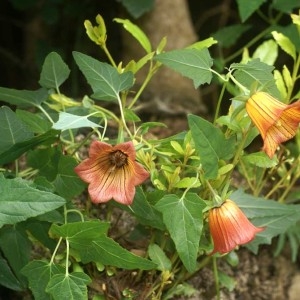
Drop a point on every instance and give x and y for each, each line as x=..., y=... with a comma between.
x=112, y=172
x=277, y=122
x=229, y=227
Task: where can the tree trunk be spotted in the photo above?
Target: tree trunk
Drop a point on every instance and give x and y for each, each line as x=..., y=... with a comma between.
x=168, y=91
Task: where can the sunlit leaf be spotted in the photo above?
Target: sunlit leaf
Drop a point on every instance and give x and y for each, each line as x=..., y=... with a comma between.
x=54, y=71
x=267, y=52
x=203, y=44
x=285, y=44
x=104, y=79
x=210, y=144
x=184, y=220
x=136, y=32
x=39, y=274
x=192, y=63
x=70, y=121
x=20, y=201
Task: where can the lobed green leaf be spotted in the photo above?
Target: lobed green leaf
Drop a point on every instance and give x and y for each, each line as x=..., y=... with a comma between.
x=21, y=201
x=192, y=63
x=104, y=79
x=54, y=71
x=39, y=274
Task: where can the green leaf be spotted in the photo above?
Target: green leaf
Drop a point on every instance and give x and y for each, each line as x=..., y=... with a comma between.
x=93, y=245
x=285, y=44
x=104, y=79
x=136, y=32
x=145, y=212
x=45, y=160
x=71, y=286
x=18, y=149
x=228, y=36
x=7, y=277
x=70, y=121
x=267, y=52
x=21, y=201
x=158, y=256
x=80, y=231
x=23, y=98
x=184, y=220
x=285, y=6
x=211, y=144
x=40, y=231
x=192, y=63
x=247, y=8
x=260, y=159
x=67, y=183
x=274, y=216
x=16, y=248
x=54, y=71
x=39, y=274
x=89, y=239
x=138, y=8
x=12, y=129
x=35, y=122
x=203, y=44
x=256, y=71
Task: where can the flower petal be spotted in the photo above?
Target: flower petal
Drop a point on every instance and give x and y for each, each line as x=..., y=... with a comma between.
x=277, y=122
x=112, y=172
x=229, y=227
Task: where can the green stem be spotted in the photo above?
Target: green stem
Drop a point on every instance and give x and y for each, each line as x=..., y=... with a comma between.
x=146, y=81
x=67, y=257
x=217, y=283
x=45, y=113
x=249, y=44
x=55, y=250
x=123, y=124
x=109, y=56
x=219, y=102
x=294, y=77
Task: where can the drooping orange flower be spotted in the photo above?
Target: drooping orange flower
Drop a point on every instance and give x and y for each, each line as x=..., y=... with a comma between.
x=277, y=122
x=229, y=227
x=111, y=172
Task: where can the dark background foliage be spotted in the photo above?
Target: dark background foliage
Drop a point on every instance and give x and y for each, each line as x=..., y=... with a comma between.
x=30, y=29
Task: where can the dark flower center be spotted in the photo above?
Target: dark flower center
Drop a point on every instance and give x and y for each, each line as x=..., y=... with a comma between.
x=118, y=159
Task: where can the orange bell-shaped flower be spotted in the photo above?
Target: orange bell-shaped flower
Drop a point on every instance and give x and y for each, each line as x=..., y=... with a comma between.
x=277, y=122
x=111, y=172
x=229, y=227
